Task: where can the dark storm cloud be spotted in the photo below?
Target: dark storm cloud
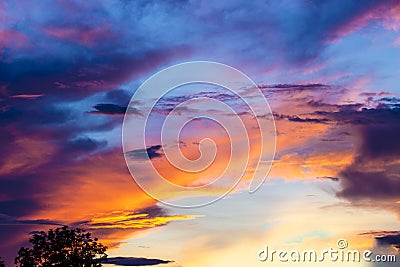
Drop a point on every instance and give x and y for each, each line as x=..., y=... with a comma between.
x=363, y=184
x=382, y=141
x=374, y=172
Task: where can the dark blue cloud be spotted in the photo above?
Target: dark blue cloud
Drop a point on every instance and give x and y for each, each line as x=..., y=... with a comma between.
x=295, y=31
x=68, y=80
x=150, y=152
x=110, y=109
x=393, y=240
x=113, y=109
x=131, y=261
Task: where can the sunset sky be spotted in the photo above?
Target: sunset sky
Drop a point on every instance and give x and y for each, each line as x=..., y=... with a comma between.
x=328, y=69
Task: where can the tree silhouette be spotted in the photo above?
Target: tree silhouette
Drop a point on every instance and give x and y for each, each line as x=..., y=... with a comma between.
x=1, y=263
x=62, y=247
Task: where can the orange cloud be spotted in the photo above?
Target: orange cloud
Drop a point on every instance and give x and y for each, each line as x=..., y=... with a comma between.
x=98, y=193
x=97, y=184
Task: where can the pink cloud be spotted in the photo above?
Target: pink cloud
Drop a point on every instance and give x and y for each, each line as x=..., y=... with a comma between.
x=85, y=37
x=393, y=21
x=27, y=96
x=387, y=14
x=13, y=39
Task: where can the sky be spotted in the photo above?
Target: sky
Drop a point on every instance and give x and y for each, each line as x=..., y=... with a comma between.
x=328, y=69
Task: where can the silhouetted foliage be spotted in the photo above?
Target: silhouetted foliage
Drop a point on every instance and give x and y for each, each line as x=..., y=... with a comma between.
x=1, y=263
x=62, y=247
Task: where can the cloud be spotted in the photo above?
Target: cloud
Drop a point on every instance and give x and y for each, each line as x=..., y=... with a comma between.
x=61, y=79
x=141, y=219
x=294, y=87
x=374, y=171
x=112, y=109
x=24, y=96
x=386, y=238
x=365, y=116
x=332, y=140
x=10, y=221
x=286, y=31
x=386, y=243
x=132, y=261
x=13, y=39
x=370, y=173
x=392, y=240
x=373, y=125
x=369, y=184
x=115, y=207
x=351, y=114
x=381, y=233
x=150, y=152
x=295, y=118
x=335, y=179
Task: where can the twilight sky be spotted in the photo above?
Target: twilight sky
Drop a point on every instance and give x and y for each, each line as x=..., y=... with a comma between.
x=329, y=70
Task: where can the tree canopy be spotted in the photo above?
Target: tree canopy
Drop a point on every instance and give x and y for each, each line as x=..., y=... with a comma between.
x=1, y=263
x=62, y=247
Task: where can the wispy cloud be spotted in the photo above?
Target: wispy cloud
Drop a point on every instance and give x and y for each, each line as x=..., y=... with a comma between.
x=130, y=220
x=132, y=261
x=113, y=109
x=151, y=152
